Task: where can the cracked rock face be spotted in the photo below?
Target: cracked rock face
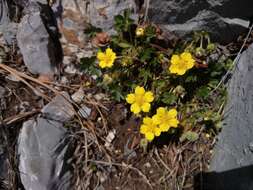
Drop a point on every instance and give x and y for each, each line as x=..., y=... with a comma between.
x=231, y=17
x=233, y=153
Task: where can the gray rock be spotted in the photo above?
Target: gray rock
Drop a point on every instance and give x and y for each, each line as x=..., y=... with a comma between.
x=7, y=28
x=84, y=111
x=2, y=91
x=43, y=148
x=102, y=12
x=37, y=40
x=229, y=16
x=233, y=150
x=2, y=100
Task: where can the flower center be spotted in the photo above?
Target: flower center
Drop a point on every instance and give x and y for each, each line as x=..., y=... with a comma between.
x=108, y=59
x=139, y=100
x=181, y=64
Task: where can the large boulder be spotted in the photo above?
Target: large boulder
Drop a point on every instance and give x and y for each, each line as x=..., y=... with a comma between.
x=233, y=155
x=184, y=16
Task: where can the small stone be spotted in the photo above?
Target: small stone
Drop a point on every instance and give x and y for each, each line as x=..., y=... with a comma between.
x=110, y=137
x=66, y=60
x=2, y=91
x=84, y=111
x=99, y=96
x=46, y=78
x=59, y=108
x=148, y=165
x=64, y=80
x=12, y=78
x=78, y=96
x=70, y=69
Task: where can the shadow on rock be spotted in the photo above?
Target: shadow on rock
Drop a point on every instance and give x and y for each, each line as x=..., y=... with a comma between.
x=236, y=179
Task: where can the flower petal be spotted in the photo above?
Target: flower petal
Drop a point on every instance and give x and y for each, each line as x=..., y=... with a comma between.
x=156, y=119
x=175, y=59
x=161, y=111
x=145, y=107
x=100, y=55
x=164, y=127
x=181, y=71
x=108, y=51
x=135, y=108
x=186, y=56
x=130, y=98
x=144, y=129
x=190, y=63
x=139, y=90
x=147, y=120
x=149, y=136
x=148, y=97
x=102, y=64
x=172, y=113
x=157, y=131
x=173, y=122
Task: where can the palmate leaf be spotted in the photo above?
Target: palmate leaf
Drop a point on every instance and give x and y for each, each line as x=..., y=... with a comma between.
x=190, y=136
x=169, y=98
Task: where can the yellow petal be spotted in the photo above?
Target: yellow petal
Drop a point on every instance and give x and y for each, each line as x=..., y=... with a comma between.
x=173, y=122
x=109, y=51
x=102, y=64
x=135, y=108
x=149, y=136
x=143, y=129
x=181, y=71
x=139, y=90
x=100, y=55
x=147, y=120
x=161, y=111
x=145, y=107
x=172, y=113
x=164, y=127
x=173, y=68
x=158, y=132
x=190, y=64
x=130, y=98
x=156, y=119
x=175, y=59
x=148, y=97
x=186, y=56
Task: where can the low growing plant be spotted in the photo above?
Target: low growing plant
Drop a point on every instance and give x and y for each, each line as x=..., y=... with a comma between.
x=169, y=87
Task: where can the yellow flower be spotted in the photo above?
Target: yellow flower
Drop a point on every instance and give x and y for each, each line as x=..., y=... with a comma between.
x=140, y=100
x=106, y=59
x=150, y=129
x=181, y=63
x=165, y=119
x=139, y=31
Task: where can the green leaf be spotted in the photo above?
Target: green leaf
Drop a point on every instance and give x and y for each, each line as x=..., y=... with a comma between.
x=203, y=92
x=169, y=98
x=145, y=74
x=118, y=19
x=146, y=54
x=190, y=136
x=191, y=79
x=92, y=30
x=124, y=45
x=86, y=62
x=88, y=65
